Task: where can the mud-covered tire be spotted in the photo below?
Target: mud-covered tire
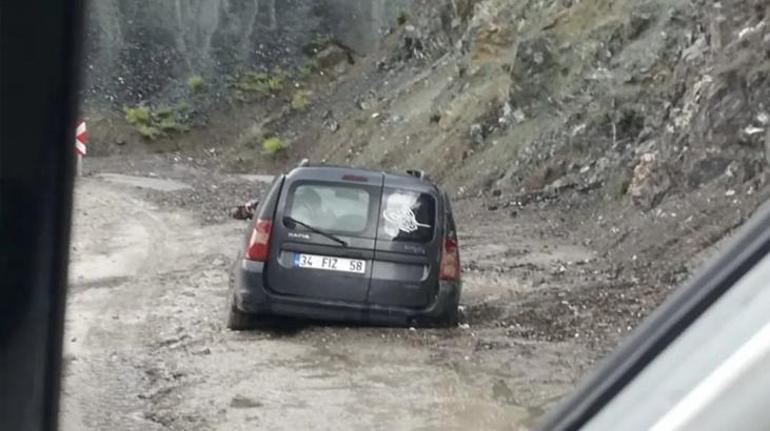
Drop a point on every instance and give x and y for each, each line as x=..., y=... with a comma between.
x=448, y=319
x=236, y=319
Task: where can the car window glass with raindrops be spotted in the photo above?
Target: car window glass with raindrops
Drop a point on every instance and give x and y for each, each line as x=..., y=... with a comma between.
x=334, y=208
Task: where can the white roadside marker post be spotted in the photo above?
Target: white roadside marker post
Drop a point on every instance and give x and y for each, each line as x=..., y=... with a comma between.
x=81, y=137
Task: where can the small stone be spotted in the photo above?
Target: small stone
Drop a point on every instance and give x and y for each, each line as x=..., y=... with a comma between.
x=242, y=402
x=650, y=182
x=751, y=130
x=331, y=56
x=476, y=133
x=332, y=125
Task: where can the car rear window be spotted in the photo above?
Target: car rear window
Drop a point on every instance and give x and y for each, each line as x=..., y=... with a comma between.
x=407, y=216
x=343, y=209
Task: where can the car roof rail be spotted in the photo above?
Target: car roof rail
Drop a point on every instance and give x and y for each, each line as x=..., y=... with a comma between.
x=416, y=173
x=303, y=162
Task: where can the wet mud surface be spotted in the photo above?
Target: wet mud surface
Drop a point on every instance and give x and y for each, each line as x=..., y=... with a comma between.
x=146, y=347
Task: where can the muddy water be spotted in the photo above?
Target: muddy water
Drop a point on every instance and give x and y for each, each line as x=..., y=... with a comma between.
x=355, y=383
x=146, y=349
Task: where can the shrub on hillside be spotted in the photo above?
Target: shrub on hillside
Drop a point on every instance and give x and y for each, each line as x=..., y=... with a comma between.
x=195, y=83
x=153, y=124
x=273, y=146
x=299, y=100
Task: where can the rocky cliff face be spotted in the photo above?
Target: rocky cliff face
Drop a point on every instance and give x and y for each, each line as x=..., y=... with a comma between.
x=510, y=95
x=139, y=50
x=556, y=95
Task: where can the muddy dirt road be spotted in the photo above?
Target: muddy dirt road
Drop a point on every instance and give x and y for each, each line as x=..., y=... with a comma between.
x=146, y=348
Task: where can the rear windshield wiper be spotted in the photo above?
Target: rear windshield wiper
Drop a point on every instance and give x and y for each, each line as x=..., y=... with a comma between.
x=291, y=220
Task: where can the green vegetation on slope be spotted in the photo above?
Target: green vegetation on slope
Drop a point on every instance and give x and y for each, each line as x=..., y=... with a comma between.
x=195, y=83
x=161, y=122
x=252, y=85
x=273, y=146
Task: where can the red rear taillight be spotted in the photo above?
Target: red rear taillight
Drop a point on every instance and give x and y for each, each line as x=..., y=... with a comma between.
x=449, y=270
x=259, y=243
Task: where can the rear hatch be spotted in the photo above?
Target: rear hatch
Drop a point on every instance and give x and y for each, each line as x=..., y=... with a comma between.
x=407, y=250
x=340, y=202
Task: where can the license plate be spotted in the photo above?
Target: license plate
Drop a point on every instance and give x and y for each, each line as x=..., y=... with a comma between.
x=329, y=263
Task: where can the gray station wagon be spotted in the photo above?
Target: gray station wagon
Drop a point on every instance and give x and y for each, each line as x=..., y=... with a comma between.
x=344, y=244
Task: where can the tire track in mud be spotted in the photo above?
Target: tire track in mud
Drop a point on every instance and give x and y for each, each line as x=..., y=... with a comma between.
x=119, y=243
x=127, y=254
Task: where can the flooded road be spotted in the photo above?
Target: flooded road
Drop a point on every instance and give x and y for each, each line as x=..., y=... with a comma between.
x=146, y=348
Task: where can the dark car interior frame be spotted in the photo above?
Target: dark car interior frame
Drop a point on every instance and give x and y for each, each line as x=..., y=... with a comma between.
x=39, y=61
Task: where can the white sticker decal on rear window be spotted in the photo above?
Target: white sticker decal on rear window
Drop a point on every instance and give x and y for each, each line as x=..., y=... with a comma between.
x=398, y=214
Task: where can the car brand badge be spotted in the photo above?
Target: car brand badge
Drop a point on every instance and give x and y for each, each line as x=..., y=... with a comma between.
x=299, y=235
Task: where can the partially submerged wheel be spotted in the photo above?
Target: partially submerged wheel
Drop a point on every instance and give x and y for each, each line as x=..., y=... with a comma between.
x=449, y=318
x=237, y=320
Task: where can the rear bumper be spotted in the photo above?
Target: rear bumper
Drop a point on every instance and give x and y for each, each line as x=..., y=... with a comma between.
x=251, y=296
